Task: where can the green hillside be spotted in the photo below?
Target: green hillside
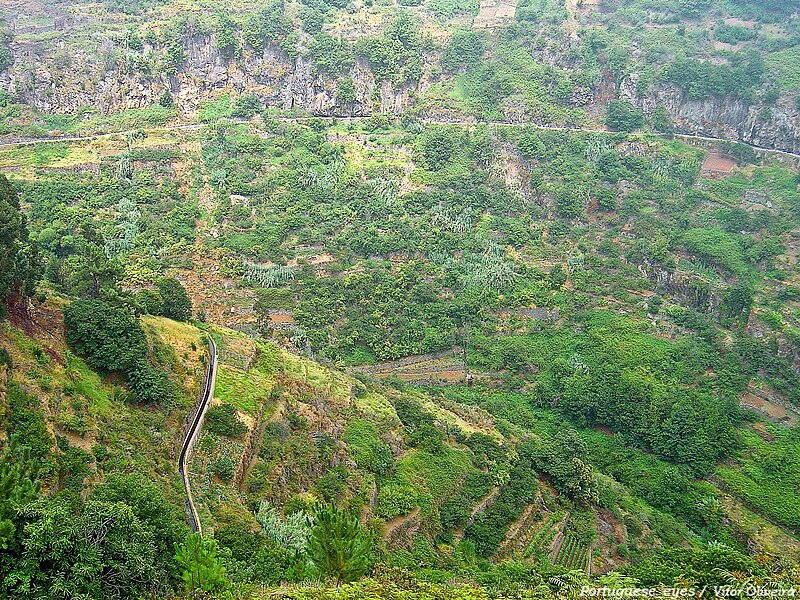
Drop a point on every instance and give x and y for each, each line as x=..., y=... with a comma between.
x=499, y=300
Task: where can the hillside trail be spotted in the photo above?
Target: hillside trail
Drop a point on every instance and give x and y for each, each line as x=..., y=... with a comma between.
x=460, y=123
x=571, y=23
x=390, y=526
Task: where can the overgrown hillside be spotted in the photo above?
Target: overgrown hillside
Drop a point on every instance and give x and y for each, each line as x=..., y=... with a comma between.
x=727, y=68
x=491, y=320
x=441, y=480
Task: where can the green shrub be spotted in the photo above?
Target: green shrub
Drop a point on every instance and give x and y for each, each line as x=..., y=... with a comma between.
x=176, y=302
x=397, y=499
x=437, y=147
x=624, y=116
x=464, y=49
x=268, y=25
x=222, y=420
x=225, y=467
x=150, y=385
x=106, y=334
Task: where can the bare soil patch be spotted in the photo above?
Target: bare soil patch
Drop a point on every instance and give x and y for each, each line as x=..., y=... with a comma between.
x=769, y=409
x=717, y=163
x=495, y=13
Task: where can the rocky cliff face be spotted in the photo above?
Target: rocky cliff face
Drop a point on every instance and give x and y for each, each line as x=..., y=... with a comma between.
x=685, y=288
x=60, y=78
x=775, y=127
x=63, y=84
x=783, y=346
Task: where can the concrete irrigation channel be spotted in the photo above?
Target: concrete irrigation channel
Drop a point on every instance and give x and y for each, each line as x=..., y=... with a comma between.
x=195, y=426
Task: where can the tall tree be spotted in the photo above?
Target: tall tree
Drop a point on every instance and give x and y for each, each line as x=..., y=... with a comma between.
x=102, y=551
x=338, y=546
x=18, y=259
x=108, y=335
x=161, y=518
x=90, y=270
x=202, y=569
x=177, y=304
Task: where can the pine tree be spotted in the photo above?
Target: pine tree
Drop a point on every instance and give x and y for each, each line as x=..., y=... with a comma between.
x=202, y=569
x=338, y=546
x=18, y=487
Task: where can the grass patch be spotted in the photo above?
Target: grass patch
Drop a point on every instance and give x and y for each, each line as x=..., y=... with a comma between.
x=133, y=118
x=88, y=384
x=333, y=383
x=438, y=474
x=377, y=407
x=786, y=65
x=768, y=476
x=243, y=390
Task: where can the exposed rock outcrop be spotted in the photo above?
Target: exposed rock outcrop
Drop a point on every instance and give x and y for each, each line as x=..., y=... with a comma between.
x=98, y=80
x=685, y=287
x=54, y=76
x=721, y=117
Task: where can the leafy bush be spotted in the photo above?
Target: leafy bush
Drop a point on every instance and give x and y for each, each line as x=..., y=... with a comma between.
x=717, y=247
x=733, y=34
x=464, y=49
x=397, y=499
x=742, y=153
x=148, y=384
x=489, y=527
x=367, y=449
x=446, y=9
x=176, y=302
x=225, y=467
x=395, y=55
x=345, y=91
x=111, y=339
x=148, y=301
x=25, y=420
x=437, y=146
x=222, y=420
x=331, y=485
x=704, y=79
x=225, y=32
x=662, y=122
x=624, y=116
x=245, y=106
x=268, y=25
x=108, y=335
x=333, y=56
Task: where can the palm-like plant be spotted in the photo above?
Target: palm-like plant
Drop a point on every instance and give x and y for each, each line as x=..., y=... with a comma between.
x=568, y=585
x=267, y=276
x=291, y=533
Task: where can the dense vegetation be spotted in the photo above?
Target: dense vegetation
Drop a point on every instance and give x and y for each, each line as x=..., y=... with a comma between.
x=461, y=353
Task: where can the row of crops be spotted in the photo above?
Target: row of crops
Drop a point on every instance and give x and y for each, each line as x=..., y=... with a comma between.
x=573, y=554
x=544, y=537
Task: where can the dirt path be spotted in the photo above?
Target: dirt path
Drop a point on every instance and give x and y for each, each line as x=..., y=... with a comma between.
x=571, y=24
x=463, y=123
x=557, y=543
x=390, y=526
